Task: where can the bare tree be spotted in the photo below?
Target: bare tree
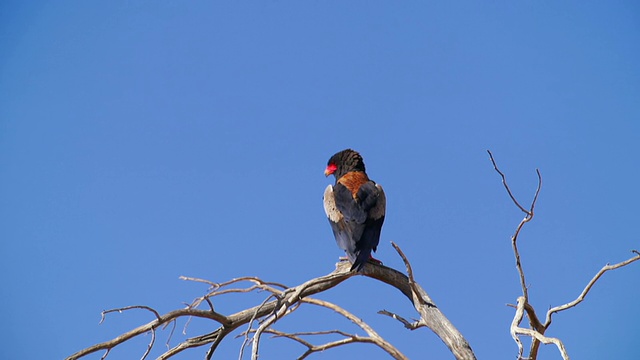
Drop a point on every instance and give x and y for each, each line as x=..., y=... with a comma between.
x=282, y=301
x=536, y=328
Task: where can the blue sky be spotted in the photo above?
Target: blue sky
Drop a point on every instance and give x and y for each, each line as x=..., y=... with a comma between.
x=144, y=140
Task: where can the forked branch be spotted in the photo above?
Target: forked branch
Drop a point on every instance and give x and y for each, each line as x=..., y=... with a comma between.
x=284, y=300
x=537, y=330
x=372, y=337
x=537, y=336
x=528, y=217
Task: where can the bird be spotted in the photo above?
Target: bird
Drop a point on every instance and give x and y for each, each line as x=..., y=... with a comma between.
x=355, y=206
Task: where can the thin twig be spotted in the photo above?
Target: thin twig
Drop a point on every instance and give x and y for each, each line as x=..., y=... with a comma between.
x=535, y=197
x=333, y=344
x=253, y=318
x=373, y=335
x=209, y=302
x=279, y=312
x=213, y=285
x=584, y=292
x=528, y=217
x=296, y=336
x=153, y=340
x=120, y=310
x=407, y=324
x=173, y=329
x=514, y=246
x=412, y=282
x=107, y=345
x=309, y=333
x=504, y=182
x=348, y=339
x=433, y=318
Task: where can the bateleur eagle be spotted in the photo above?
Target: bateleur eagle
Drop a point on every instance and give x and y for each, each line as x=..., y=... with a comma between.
x=355, y=206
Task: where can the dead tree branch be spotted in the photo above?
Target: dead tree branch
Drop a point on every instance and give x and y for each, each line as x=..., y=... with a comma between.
x=372, y=337
x=431, y=317
x=517, y=330
x=285, y=301
x=407, y=324
x=528, y=217
x=348, y=339
x=584, y=292
x=537, y=329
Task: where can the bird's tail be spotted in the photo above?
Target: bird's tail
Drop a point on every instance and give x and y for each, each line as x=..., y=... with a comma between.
x=360, y=259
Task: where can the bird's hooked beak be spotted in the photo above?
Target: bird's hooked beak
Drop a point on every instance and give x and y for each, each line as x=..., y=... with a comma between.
x=331, y=168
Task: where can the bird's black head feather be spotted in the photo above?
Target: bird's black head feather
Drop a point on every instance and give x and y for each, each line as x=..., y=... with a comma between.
x=346, y=161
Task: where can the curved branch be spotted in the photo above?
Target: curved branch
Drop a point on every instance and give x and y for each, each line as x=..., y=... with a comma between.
x=164, y=319
x=372, y=337
x=528, y=217
x=506, y=186
x=584, y=292
x=431, y=316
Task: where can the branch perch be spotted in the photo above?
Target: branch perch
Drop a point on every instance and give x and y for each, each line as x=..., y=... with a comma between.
x=272, y=310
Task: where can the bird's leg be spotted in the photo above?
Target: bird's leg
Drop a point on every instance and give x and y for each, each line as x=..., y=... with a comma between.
x=374, y=260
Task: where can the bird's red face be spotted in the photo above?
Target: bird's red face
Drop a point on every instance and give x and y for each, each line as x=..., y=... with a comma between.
x=331, y=168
